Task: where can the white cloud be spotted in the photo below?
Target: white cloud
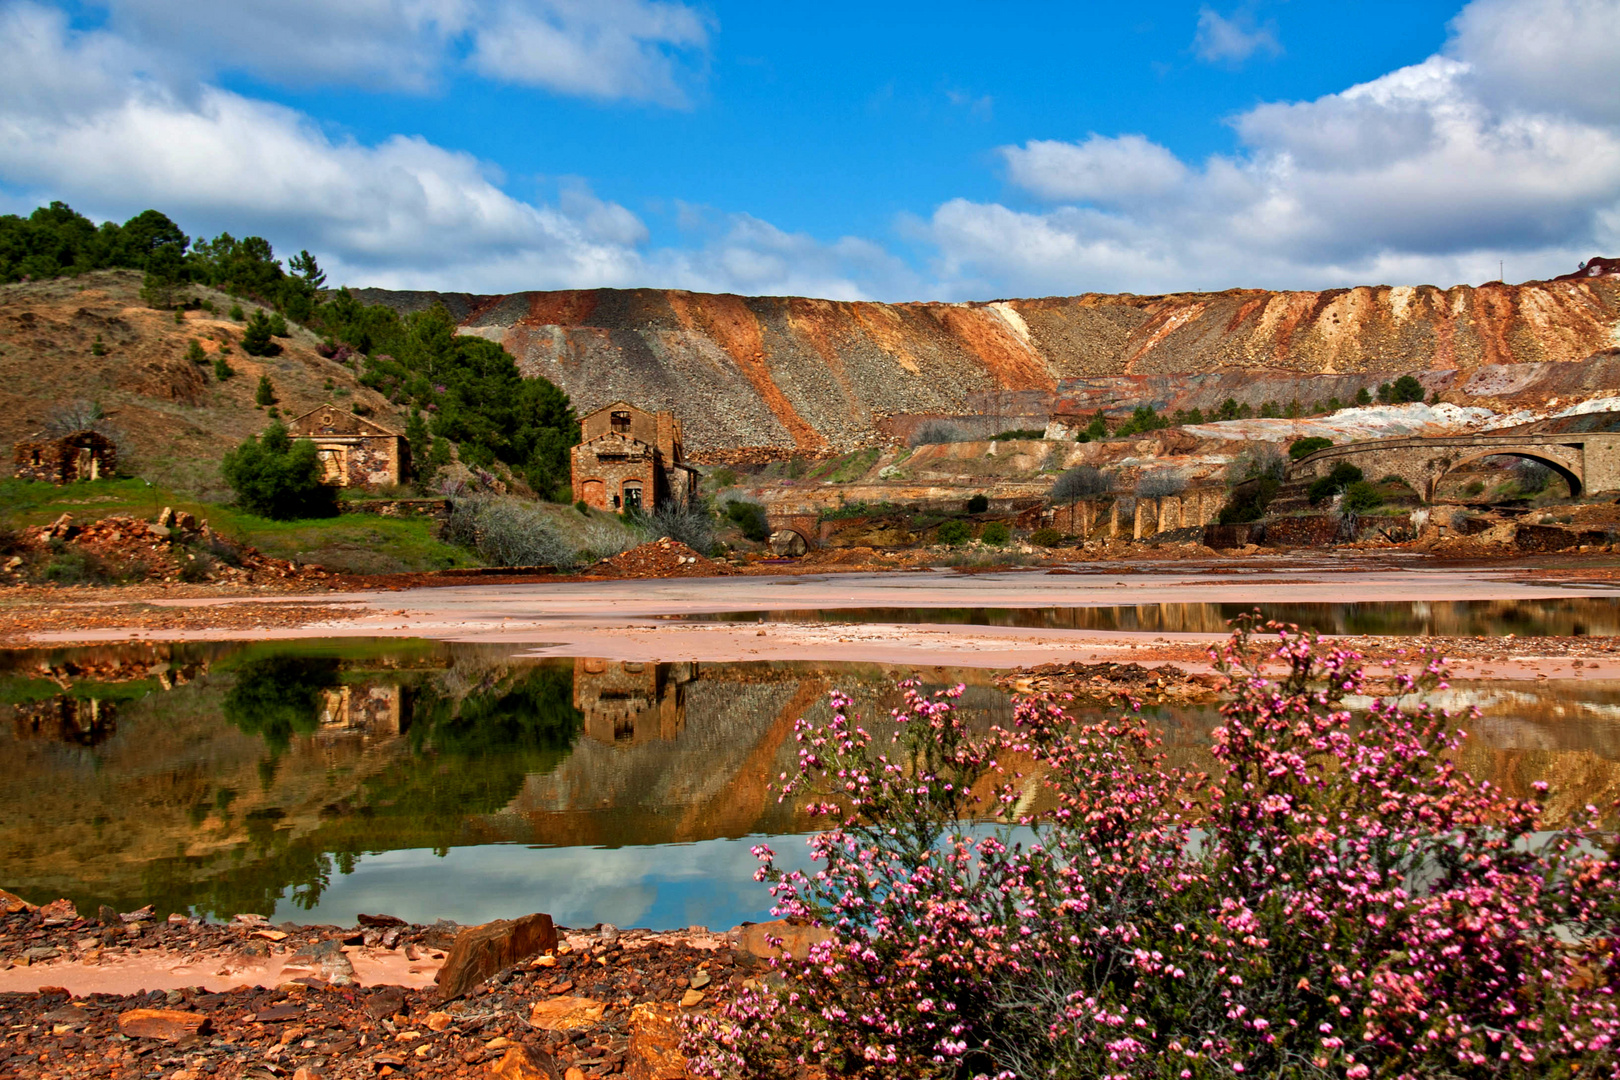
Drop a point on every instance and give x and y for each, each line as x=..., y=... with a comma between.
x=594, y=48
x=1232, y=40
x=1109, y=171
x=607, y=49
x=1431, y=172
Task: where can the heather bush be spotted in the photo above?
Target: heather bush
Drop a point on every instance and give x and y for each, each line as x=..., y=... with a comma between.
x=1337, y=900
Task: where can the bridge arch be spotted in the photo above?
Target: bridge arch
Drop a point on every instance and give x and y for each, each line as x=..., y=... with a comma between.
x=1569, y=475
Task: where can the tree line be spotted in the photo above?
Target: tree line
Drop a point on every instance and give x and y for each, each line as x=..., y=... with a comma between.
x=463, y=393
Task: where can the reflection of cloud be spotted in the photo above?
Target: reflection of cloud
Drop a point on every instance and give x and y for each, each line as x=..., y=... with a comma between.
x=665, y=887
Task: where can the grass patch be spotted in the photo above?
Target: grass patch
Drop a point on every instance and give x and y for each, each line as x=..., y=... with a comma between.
x=357, y=544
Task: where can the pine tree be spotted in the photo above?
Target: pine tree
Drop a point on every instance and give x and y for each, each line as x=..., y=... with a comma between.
x=256, y=337
x=266, y=393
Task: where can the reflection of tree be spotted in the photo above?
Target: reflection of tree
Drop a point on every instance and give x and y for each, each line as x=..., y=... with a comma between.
x=469, y=756
x=277, y=697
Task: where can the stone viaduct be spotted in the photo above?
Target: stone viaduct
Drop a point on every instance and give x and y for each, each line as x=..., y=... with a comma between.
x=1589, y=463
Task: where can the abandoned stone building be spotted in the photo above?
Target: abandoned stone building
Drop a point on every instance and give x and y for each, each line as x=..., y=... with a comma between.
x=83, y=455
x=629, y=458
x=628, y=703
x=354, y=451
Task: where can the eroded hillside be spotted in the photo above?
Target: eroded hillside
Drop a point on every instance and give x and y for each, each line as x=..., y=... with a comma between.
x=813, y=376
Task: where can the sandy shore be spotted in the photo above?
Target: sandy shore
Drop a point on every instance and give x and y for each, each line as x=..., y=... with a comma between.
x=631, y=620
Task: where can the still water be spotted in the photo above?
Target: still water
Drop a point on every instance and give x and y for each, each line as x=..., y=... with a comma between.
x=314, y=780
x=1466, y=618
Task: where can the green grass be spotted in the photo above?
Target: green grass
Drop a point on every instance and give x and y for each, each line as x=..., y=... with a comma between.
x=359, y=544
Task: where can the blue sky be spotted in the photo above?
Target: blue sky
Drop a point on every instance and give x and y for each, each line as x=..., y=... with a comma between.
x=891, y=151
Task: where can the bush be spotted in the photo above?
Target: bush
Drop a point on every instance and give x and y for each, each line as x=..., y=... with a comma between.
x=1301, y=448
x=265, y=393
x=1360, y=497
x=222, y=367
x=1019, y=433
x=237, y=314
x=692, y=524
x=953, y=532
x=1363, y=398
x=194, y=352
x=749, y=517
x=1143, y=418
x=278, y=325
x=1250, y=500
x=1336, y=899
x=1097, y=429
x=1325, y=487
x=1259, y=460
x=1047, y=537
x=278, y=477
x=582, y=507
x=1161, y=483
x=256, y=336
x=937, y=431
x=505, y=531
x=978, y=504
x=996, y=532
x=1406, y=390
x=1080, y=482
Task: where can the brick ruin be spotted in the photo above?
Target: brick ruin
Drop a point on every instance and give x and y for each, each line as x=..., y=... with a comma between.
x=83, y=455
x=354, y=451
x=628, y=458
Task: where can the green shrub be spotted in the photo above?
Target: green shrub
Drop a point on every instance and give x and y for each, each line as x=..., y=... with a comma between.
x=1097, y=429
x=582, y=507
x=1363, y=398
x=1047, y=537
x=237, y=314
x=265, y=394
x=1406, y=390
x=194, y=352
x=278, y=477
x=1360, y=497
x=256, y=337
x=996, y=532
x=953, y=532
x=1477, y=487
x=749, y=517
x=1250, y=500
x=222, y=367
x=1143, y=418
x=1019, y=433
x=98, y=347
x=1299, y=448
x=1325, y=487
x=978, y=504
x=723, y=477
x=278, y=325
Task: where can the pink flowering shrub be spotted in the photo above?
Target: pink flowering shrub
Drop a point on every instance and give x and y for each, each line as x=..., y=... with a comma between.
x=1337, y=900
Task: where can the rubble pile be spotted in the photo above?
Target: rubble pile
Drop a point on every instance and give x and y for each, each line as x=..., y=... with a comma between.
x=597, y=1002
x=660, y=559
x=176, y=547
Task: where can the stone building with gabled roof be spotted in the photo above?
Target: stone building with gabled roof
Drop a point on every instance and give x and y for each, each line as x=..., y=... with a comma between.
x=628, y=458
x=354, y=451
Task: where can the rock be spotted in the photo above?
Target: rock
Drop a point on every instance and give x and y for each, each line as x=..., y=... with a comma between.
x=481, y=951
x=139, y=915
x=795, y=939
x=655, y=1044
x=438, y=1021
x=159, y=531
x=106, y=916
x=381, y=922
x=167, y=517
x=11, y=903
x=305, y=1073
x=271, y=935
x=691, y=998
x=58, y=911
x=385, y=1003
x=698, y=981
x=574, y=1074
x=41, y=952
x=566, y=1013
x=521, y=1063
x=169, y=1025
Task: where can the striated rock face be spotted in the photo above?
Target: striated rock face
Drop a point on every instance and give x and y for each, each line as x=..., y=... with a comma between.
x=814, y=376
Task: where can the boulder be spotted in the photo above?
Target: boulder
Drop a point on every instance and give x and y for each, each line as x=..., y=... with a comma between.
x=796, y=939
x=566, y=1013
x=521, y=1063
x=655, y=1044
x=169, y=1025
x=11, y=903
x=480, y=951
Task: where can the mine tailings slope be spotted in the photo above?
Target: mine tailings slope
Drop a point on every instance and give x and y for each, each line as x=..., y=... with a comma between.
x=811, y=376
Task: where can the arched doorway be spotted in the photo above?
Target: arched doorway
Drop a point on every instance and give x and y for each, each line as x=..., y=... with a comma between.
x=1559, y=468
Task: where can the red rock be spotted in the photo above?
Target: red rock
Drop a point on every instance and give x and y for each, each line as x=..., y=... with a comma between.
x=170, y=1025
x=796, y=939
x=481, y=951
x=11, y=903
x=655, y=1044
x=566, y=1013
x=520, y=1063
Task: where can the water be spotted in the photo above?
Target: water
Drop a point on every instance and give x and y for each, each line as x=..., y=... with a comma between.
x=1452, y=618
x=315, y=780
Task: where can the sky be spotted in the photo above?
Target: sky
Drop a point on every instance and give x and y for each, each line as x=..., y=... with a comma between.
x=951, y=150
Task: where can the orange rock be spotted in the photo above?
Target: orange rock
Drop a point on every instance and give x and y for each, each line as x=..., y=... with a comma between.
x=655, y=1044
x=566, y=1013
x=11, y=903
x=520, y=1063
x=481, y=951
x=170, y=1025
x=795, y=939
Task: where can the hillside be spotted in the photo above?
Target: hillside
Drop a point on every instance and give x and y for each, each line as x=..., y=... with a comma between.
x=794, y=375
x=175, y=420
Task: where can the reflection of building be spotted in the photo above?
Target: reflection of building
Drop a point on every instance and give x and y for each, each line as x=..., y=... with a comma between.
x=369, y=708
x=628, y=459
x=629, y=703
x=354, y=451
x=86, y=721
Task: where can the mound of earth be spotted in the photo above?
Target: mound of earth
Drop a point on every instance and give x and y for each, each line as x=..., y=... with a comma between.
x=1166, y=683
x=660, y=559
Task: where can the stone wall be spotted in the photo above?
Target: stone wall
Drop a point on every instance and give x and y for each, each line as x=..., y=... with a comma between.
x=85, y=455
x=438, y=509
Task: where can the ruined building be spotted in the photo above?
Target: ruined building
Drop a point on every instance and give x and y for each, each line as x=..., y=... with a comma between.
x=83, y=455
x=354, y=451
x=628, y=458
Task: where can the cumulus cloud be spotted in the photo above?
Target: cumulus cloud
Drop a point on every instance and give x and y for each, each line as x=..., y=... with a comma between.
x=608, y=49
x=1232, y=39
x=1432, y=172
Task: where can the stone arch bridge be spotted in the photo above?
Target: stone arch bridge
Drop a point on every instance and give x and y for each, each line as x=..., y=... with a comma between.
x=1589, y=463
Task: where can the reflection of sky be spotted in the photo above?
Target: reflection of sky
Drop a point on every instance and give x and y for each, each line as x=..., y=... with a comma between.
x=670, y=886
